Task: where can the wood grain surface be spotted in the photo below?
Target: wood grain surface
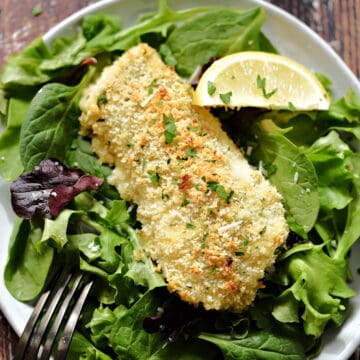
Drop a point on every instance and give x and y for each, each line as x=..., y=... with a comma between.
x=336, y=21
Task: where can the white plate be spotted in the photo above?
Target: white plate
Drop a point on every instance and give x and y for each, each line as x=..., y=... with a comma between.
x=292, y=38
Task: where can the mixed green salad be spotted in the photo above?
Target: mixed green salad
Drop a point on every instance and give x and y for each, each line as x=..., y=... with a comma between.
x=311, y=158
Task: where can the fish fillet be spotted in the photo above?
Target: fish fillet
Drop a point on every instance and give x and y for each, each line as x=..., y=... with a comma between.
x=209, y=220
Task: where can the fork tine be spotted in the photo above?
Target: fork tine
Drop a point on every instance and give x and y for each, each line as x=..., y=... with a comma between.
x=51, y=336
x=66, y=337
x=34, y=318
x=54, y=310
x=25, y=337
x=38, y=335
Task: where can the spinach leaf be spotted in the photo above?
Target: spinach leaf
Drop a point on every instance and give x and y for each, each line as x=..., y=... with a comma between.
x=213, y=35
x=295, y=177
x=51, y=123
x=3, y=106
x=303, y=128
x=263, y=345
x=10, y=164
x=130, y=341
x=331, y=158
x=27, y=268
x=128, y=338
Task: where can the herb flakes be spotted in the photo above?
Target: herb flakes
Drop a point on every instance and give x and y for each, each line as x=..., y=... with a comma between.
x=102, y=99
x=37, y=10
x=190, y=152
x=220, y=191
x=261, y=84
x=154, y=177
x=211, y=88
x=170, y=129
x=226, y=97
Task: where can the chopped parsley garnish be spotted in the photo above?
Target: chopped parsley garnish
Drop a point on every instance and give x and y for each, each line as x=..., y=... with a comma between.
x=190, y=226
x=154, y=177
x=220, y=190
x=261, y=84
x=190, y=152
x=291, y=106
x=211, y=88
x=196, y=129
x=165, y=196
x=170, y=129
x=203, y=242
x=263, y=231
x=150, y=90
x=102, y=99
x=239, y=253
x=225, y=98
x=185, y=201
x=37, y=10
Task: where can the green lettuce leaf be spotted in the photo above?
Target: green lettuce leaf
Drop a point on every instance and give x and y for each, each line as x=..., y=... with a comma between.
x=351, y=232
x=323, y=301
x=83, y=348
x=346, y=108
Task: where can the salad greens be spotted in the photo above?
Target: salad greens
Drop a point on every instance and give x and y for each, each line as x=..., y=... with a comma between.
x=311, y=157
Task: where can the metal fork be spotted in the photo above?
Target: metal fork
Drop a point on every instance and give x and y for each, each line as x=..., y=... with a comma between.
x=54, y=311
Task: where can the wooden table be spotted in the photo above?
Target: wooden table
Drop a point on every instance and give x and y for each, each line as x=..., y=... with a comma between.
x=335, y=20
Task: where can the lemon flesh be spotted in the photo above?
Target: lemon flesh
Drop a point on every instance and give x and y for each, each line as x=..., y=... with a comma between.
x=263, y=80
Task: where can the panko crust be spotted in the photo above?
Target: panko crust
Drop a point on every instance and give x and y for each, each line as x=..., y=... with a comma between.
x=210, y=221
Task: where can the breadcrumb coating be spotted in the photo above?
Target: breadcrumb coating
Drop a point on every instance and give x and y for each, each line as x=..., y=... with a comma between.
x=209, y=220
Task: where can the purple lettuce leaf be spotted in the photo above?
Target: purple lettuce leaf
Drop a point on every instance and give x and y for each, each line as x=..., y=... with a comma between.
x=48, y=189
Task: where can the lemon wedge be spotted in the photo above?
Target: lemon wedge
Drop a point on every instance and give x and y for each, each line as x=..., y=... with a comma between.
x=263, y=80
